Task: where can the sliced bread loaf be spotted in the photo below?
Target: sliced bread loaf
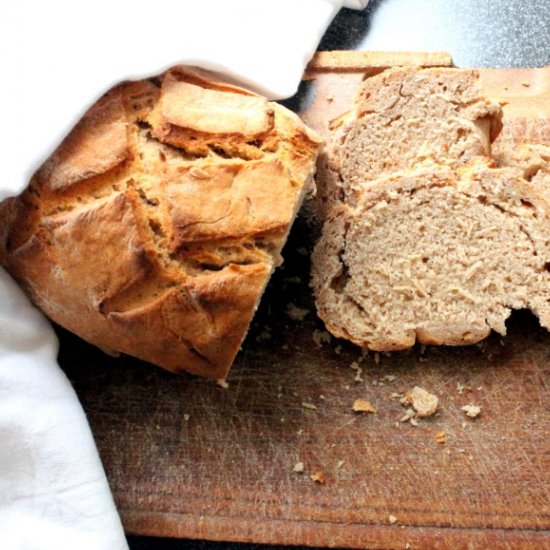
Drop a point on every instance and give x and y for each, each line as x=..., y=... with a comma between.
x=425, y=239
x=434, y=255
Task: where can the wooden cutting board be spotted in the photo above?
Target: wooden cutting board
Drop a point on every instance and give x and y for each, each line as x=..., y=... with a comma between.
x=188, y=458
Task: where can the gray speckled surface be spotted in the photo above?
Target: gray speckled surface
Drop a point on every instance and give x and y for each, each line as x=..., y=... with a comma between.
x=477, y=33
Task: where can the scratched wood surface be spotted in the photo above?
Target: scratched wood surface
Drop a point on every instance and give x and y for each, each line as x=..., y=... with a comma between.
x=187, y=458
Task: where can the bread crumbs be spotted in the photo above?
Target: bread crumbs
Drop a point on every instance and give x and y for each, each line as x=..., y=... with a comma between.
x=440, y=437
x=423, y=402
x=318, y=477
x=471, y=410
x=362, y=405
x=358, y=371
x=321, y=337
x=409, y=413
x=393, y=519
x=405, y=399
x=222, y=382
x=298, y=467
x=340, y=464
x=296, y=313
x=309, y=406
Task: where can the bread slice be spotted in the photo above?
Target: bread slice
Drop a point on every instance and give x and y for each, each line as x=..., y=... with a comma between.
x=401, y=118
x=155, y=226
x=434, y=255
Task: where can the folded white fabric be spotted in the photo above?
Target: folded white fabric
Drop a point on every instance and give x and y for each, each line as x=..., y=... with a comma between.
x=53, y=493
x=58, y=57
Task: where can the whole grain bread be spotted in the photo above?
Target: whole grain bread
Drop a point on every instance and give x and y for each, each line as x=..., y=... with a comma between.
x=154, y=227
x=434, y=255
x=426, y=237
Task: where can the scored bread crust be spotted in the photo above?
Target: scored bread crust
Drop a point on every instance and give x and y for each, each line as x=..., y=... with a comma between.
x=154, y=227
x=434, y=255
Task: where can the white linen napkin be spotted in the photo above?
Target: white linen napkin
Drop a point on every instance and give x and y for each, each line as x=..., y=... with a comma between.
x=57, y=58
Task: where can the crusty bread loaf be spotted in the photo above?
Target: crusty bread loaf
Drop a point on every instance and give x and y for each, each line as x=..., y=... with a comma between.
x=155, y=226
x=425, y=239
x=434, y=255
x=401, y=118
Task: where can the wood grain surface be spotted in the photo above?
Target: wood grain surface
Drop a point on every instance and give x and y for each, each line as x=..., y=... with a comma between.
x=188, y=458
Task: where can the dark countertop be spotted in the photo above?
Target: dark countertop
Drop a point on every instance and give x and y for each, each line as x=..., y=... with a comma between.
x=477, y=33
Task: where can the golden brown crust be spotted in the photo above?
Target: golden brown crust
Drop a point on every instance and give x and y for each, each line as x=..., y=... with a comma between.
x=154, y=227
x=96, y=144
x=236, y=201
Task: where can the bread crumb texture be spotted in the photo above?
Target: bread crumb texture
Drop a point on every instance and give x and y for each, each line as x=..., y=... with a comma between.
x=296, y=313
x=153, y=229
x=423, y=402
x=318, y=477
x=363, y=406
x=428, y=238
x=471, y=410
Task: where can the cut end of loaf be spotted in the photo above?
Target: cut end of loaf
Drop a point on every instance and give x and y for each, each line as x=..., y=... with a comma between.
x=434, y=256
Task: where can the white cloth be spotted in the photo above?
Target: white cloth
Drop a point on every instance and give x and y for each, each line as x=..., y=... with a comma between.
x=57, y=58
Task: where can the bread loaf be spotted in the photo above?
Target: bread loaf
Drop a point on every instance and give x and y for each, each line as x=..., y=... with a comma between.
x=154, y=227
x=425, y=239
x=436, y=256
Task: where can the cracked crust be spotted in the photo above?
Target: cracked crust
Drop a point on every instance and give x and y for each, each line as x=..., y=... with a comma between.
x=434, y=255
x=154, y=228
